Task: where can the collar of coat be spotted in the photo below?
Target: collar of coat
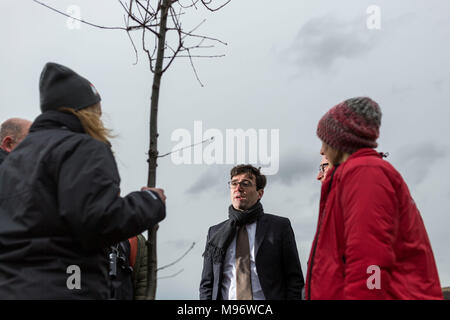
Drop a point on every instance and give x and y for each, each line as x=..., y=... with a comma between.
x=364, y=152
x=3, y=155
x=57, y=120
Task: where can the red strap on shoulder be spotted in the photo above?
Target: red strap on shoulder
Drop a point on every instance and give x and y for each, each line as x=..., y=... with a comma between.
x=133, y=250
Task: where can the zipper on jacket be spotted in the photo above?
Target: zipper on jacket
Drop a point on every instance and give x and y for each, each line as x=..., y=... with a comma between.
x=317, y=239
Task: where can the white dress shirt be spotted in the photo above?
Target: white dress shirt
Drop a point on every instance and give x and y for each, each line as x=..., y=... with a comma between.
x=228, y=288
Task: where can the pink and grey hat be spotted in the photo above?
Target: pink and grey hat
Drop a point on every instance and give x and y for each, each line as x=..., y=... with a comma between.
x=351, y=125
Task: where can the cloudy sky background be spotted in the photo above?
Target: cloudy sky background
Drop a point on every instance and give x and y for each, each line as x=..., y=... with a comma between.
x=284, y=67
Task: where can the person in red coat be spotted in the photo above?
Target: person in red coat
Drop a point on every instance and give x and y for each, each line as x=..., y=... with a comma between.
x=371, y=241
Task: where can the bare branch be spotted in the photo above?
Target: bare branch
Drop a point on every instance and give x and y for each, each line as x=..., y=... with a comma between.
x=143, y=17
x=180, y=42
x=192, y=145
x=80, y=20
x=171, y=264
x=149, y=56
x=196, y=56
x=203, y=37
x=195, y=28
x=173, y=275
x=132, y=43
x=193, y=68
x=147, y=9
x=206, y=3
x=193, y=4
x=140, y=23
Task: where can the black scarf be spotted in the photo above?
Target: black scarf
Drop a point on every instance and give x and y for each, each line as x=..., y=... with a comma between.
x=219, y=242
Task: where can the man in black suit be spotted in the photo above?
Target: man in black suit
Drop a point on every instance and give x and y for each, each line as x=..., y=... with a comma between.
x=252, y=255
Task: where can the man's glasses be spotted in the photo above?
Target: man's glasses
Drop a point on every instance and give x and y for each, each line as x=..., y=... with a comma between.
x=243, y=183
x=323, y=167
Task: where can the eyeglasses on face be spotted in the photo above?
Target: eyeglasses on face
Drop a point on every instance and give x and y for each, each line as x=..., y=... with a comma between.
x=323, y=166
x=244, y=184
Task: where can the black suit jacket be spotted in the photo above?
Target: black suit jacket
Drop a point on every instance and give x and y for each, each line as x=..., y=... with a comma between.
x=276, y=260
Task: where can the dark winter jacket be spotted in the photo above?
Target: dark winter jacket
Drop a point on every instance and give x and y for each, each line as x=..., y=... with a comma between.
x=371, y=241
x=276, y=259
x=60, y=209
x=3, y=155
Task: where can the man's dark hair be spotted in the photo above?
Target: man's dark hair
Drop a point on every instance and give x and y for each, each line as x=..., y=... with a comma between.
x=252, y=172
x=11, y=128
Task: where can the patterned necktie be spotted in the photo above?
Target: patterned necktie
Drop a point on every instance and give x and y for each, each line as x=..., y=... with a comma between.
x=243, y=280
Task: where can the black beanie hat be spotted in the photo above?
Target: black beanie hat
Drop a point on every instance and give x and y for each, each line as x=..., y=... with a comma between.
x=60, y=86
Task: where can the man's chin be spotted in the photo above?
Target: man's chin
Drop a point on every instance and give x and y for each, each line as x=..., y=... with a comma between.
x=241, y=206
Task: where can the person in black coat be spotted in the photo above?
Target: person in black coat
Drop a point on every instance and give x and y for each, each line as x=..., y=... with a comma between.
x=252, y=255
x=60, y=203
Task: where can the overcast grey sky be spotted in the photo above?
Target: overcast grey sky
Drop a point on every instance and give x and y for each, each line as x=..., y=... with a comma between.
x=284, y=67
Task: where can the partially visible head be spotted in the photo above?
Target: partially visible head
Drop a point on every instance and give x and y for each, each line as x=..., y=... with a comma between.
x=246, y=186
x=63, y=89
x=349, y=126
x=12, y=132
x=323, y=168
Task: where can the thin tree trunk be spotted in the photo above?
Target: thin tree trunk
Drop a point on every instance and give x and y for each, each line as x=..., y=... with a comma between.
x=153, y=150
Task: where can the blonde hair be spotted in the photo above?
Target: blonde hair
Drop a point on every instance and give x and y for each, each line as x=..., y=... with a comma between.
x=91, y=122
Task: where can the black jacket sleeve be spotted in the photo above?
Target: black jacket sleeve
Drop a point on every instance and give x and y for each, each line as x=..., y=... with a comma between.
x=292, y=267
x=89, y=200
x=207, y=281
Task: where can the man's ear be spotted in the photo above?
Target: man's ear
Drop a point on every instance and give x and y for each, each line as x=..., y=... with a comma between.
x=260, y=193
x=7, y=144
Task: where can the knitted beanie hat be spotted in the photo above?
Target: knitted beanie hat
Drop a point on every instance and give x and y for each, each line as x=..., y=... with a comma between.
x=351, y=125
x=59, y=87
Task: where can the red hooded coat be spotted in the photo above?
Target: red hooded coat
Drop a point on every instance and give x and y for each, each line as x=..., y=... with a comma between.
x=370, y=242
